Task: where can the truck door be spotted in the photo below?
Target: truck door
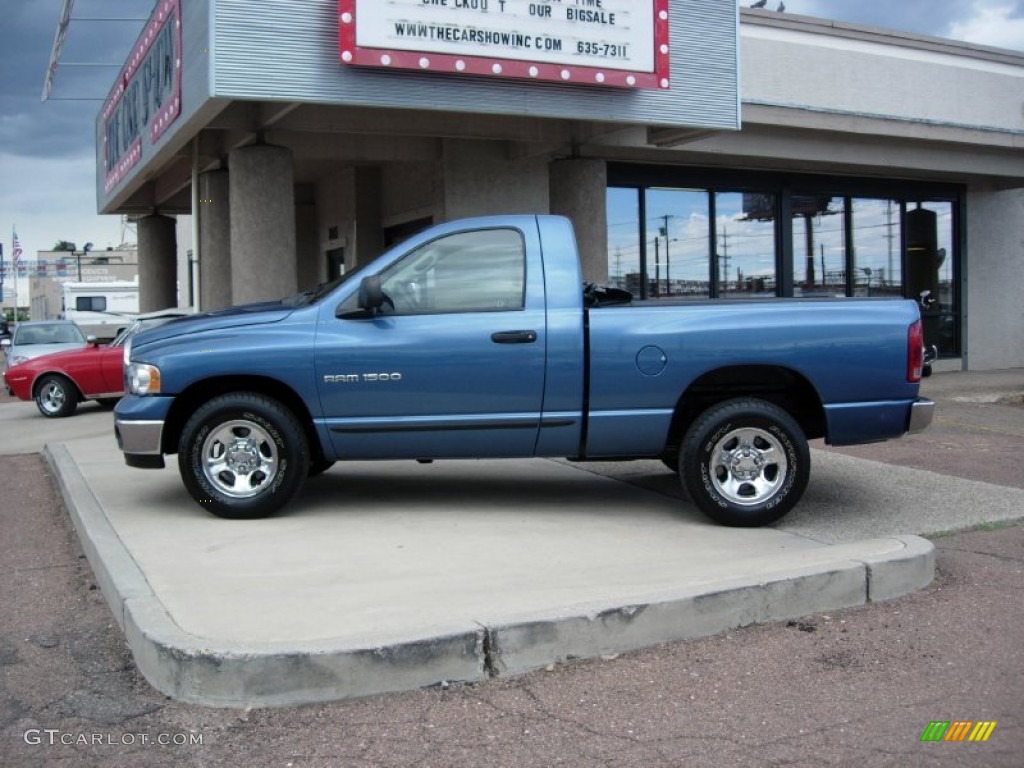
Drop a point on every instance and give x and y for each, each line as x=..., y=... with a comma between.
x=452, y=365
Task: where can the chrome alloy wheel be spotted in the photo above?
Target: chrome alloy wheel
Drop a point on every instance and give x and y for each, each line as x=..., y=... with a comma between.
x=52, y=396
x=239, y=458
x=748, y=466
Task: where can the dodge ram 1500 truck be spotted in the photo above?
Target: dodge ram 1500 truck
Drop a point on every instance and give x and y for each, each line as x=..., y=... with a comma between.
x=478, y=338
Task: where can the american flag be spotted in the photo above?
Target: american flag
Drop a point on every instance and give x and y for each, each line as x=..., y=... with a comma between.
x=15, y=248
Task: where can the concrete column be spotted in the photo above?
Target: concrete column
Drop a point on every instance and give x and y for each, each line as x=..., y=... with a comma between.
x=262, y=204
x=214, y=240
x=993, y=313
x=579, y=188
x=479, y=179
x=158, y=255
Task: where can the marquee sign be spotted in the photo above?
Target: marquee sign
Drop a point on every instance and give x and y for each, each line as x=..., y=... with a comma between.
x=147, y=94
x=597, y=42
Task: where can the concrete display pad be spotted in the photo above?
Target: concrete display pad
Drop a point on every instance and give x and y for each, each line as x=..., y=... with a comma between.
x=386, y=576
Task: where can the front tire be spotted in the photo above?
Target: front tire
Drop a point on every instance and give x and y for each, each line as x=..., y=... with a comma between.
x=56, y=397
x=745, y=462
x=243, y=455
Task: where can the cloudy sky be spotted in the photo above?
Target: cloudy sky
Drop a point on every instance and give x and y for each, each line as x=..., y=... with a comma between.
x=47, y=163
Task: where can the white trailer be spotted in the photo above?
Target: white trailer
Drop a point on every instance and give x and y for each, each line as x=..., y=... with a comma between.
x=100, y=309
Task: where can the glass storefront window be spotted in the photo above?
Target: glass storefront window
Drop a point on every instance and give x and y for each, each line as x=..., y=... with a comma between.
x=674, y=261
x=930, y=266
x=622, y=206
x=745, y=239
x=877, y=263
x=819, y=246
x=701, y=242
x=679, y=244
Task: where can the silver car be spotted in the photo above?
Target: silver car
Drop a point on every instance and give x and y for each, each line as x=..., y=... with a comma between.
x=41, y=337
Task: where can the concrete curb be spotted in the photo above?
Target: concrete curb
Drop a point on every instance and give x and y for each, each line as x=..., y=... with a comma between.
x=196, y=670
x=710, y=609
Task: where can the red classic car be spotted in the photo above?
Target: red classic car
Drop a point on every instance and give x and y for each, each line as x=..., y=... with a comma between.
x=59, y=381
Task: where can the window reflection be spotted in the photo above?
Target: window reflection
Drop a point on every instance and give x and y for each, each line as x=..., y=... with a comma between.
x=679, y=244
x=698, y=243
x=929, y=261
x=622, y=207
x=745, y=238
x=819, y=245
x=876, y=247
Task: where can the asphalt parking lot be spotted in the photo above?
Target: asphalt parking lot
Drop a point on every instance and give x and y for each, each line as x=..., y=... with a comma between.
x=853, y=686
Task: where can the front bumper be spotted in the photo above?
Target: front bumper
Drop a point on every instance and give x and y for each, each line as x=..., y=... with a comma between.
x=141, y=437
x=922, y=411
x=19, y=386
x=139, y=427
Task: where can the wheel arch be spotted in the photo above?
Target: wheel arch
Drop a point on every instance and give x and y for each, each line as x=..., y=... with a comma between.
x=38, y=380
x=782, y=386
x=186, y=403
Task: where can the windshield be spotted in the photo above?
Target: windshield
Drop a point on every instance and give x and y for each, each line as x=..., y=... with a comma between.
x=63, y=333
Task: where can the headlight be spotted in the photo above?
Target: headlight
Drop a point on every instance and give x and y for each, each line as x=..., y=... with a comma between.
x=127, y=353
x=143, y=379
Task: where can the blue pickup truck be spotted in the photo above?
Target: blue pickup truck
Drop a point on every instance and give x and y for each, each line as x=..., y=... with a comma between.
x=478, y=338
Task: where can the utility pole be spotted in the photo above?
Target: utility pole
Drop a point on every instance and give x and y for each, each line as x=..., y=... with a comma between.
x=668, y=261
x=724, y=273
x=809, y=248
x=657, y=269
x=889, y=235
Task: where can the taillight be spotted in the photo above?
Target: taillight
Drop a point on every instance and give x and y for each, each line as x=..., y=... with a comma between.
x=915, y=352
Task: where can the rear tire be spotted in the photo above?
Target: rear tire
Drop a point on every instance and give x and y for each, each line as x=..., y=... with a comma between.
x=56, y=397
x=745, y=462
x=243, y=455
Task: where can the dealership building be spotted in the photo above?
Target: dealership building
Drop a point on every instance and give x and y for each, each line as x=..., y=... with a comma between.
x=703, y=152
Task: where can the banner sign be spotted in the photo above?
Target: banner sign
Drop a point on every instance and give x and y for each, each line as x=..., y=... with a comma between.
x=597, y=42
x=147, y=94
x=39, y=268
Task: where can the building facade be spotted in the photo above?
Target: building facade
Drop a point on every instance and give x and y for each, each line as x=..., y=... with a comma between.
x=703, y=152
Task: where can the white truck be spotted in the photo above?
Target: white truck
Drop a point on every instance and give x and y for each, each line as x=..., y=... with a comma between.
x=101, y=309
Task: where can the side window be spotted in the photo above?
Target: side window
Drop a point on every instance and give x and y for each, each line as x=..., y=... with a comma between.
x=481, y=271
x=91, y=303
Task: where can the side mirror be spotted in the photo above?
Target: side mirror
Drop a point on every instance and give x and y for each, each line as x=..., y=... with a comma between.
x=92, y=341
x=371, y=297
x=5, y=342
